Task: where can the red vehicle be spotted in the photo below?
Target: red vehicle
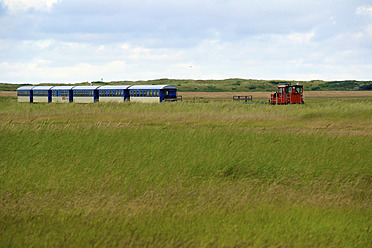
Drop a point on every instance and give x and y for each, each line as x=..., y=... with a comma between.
x=288, y=94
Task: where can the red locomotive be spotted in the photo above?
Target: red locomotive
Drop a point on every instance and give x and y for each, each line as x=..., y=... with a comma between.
x=288, y=94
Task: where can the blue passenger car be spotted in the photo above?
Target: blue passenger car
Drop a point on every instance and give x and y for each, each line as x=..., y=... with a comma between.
x=62, y=94
x=113, y=93
x=42, y=93
x=24, y=94
x=152, y=93
x=85, y=94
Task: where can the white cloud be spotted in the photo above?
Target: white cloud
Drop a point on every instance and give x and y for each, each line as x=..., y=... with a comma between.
x=364, y=10
x=18, y=6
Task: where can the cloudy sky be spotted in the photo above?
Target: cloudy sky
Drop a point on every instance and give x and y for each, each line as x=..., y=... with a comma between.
x=68, y=41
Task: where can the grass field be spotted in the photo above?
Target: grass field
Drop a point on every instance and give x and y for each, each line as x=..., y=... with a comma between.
x=218, y=174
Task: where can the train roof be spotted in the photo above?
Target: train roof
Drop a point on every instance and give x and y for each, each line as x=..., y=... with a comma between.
x=42, y=87
x=62, y=87
x=153, y=87
x=85, y=87
x=287, y=85
x=114, y=87
x=25, y=88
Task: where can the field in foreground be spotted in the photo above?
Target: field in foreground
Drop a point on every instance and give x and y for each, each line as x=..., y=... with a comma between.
x=186, y=174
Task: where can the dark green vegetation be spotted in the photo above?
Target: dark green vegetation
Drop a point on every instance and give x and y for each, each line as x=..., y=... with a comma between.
x=220, y=174
x=238, y=85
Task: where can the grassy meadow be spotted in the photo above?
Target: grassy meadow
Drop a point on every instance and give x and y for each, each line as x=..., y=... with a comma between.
x=217, y=174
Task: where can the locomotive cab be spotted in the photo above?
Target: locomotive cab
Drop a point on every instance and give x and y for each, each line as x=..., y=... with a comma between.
x=288, y=94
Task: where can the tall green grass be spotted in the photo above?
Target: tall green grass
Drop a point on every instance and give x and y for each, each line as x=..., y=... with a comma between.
x=186, y=175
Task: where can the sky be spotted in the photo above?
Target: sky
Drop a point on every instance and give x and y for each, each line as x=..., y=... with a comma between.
x=70, y=41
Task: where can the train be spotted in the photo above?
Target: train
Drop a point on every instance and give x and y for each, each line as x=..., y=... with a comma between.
x=91, y=94
x=288, y=94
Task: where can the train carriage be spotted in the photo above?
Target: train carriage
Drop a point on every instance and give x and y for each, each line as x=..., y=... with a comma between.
x=62, y=94
x=25, y=94
x=152, y=93
x=85, y=94
x=42, y=93
x=113, y=93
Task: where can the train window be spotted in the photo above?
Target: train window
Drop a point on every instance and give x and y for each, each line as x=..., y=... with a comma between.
x=23, y=93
